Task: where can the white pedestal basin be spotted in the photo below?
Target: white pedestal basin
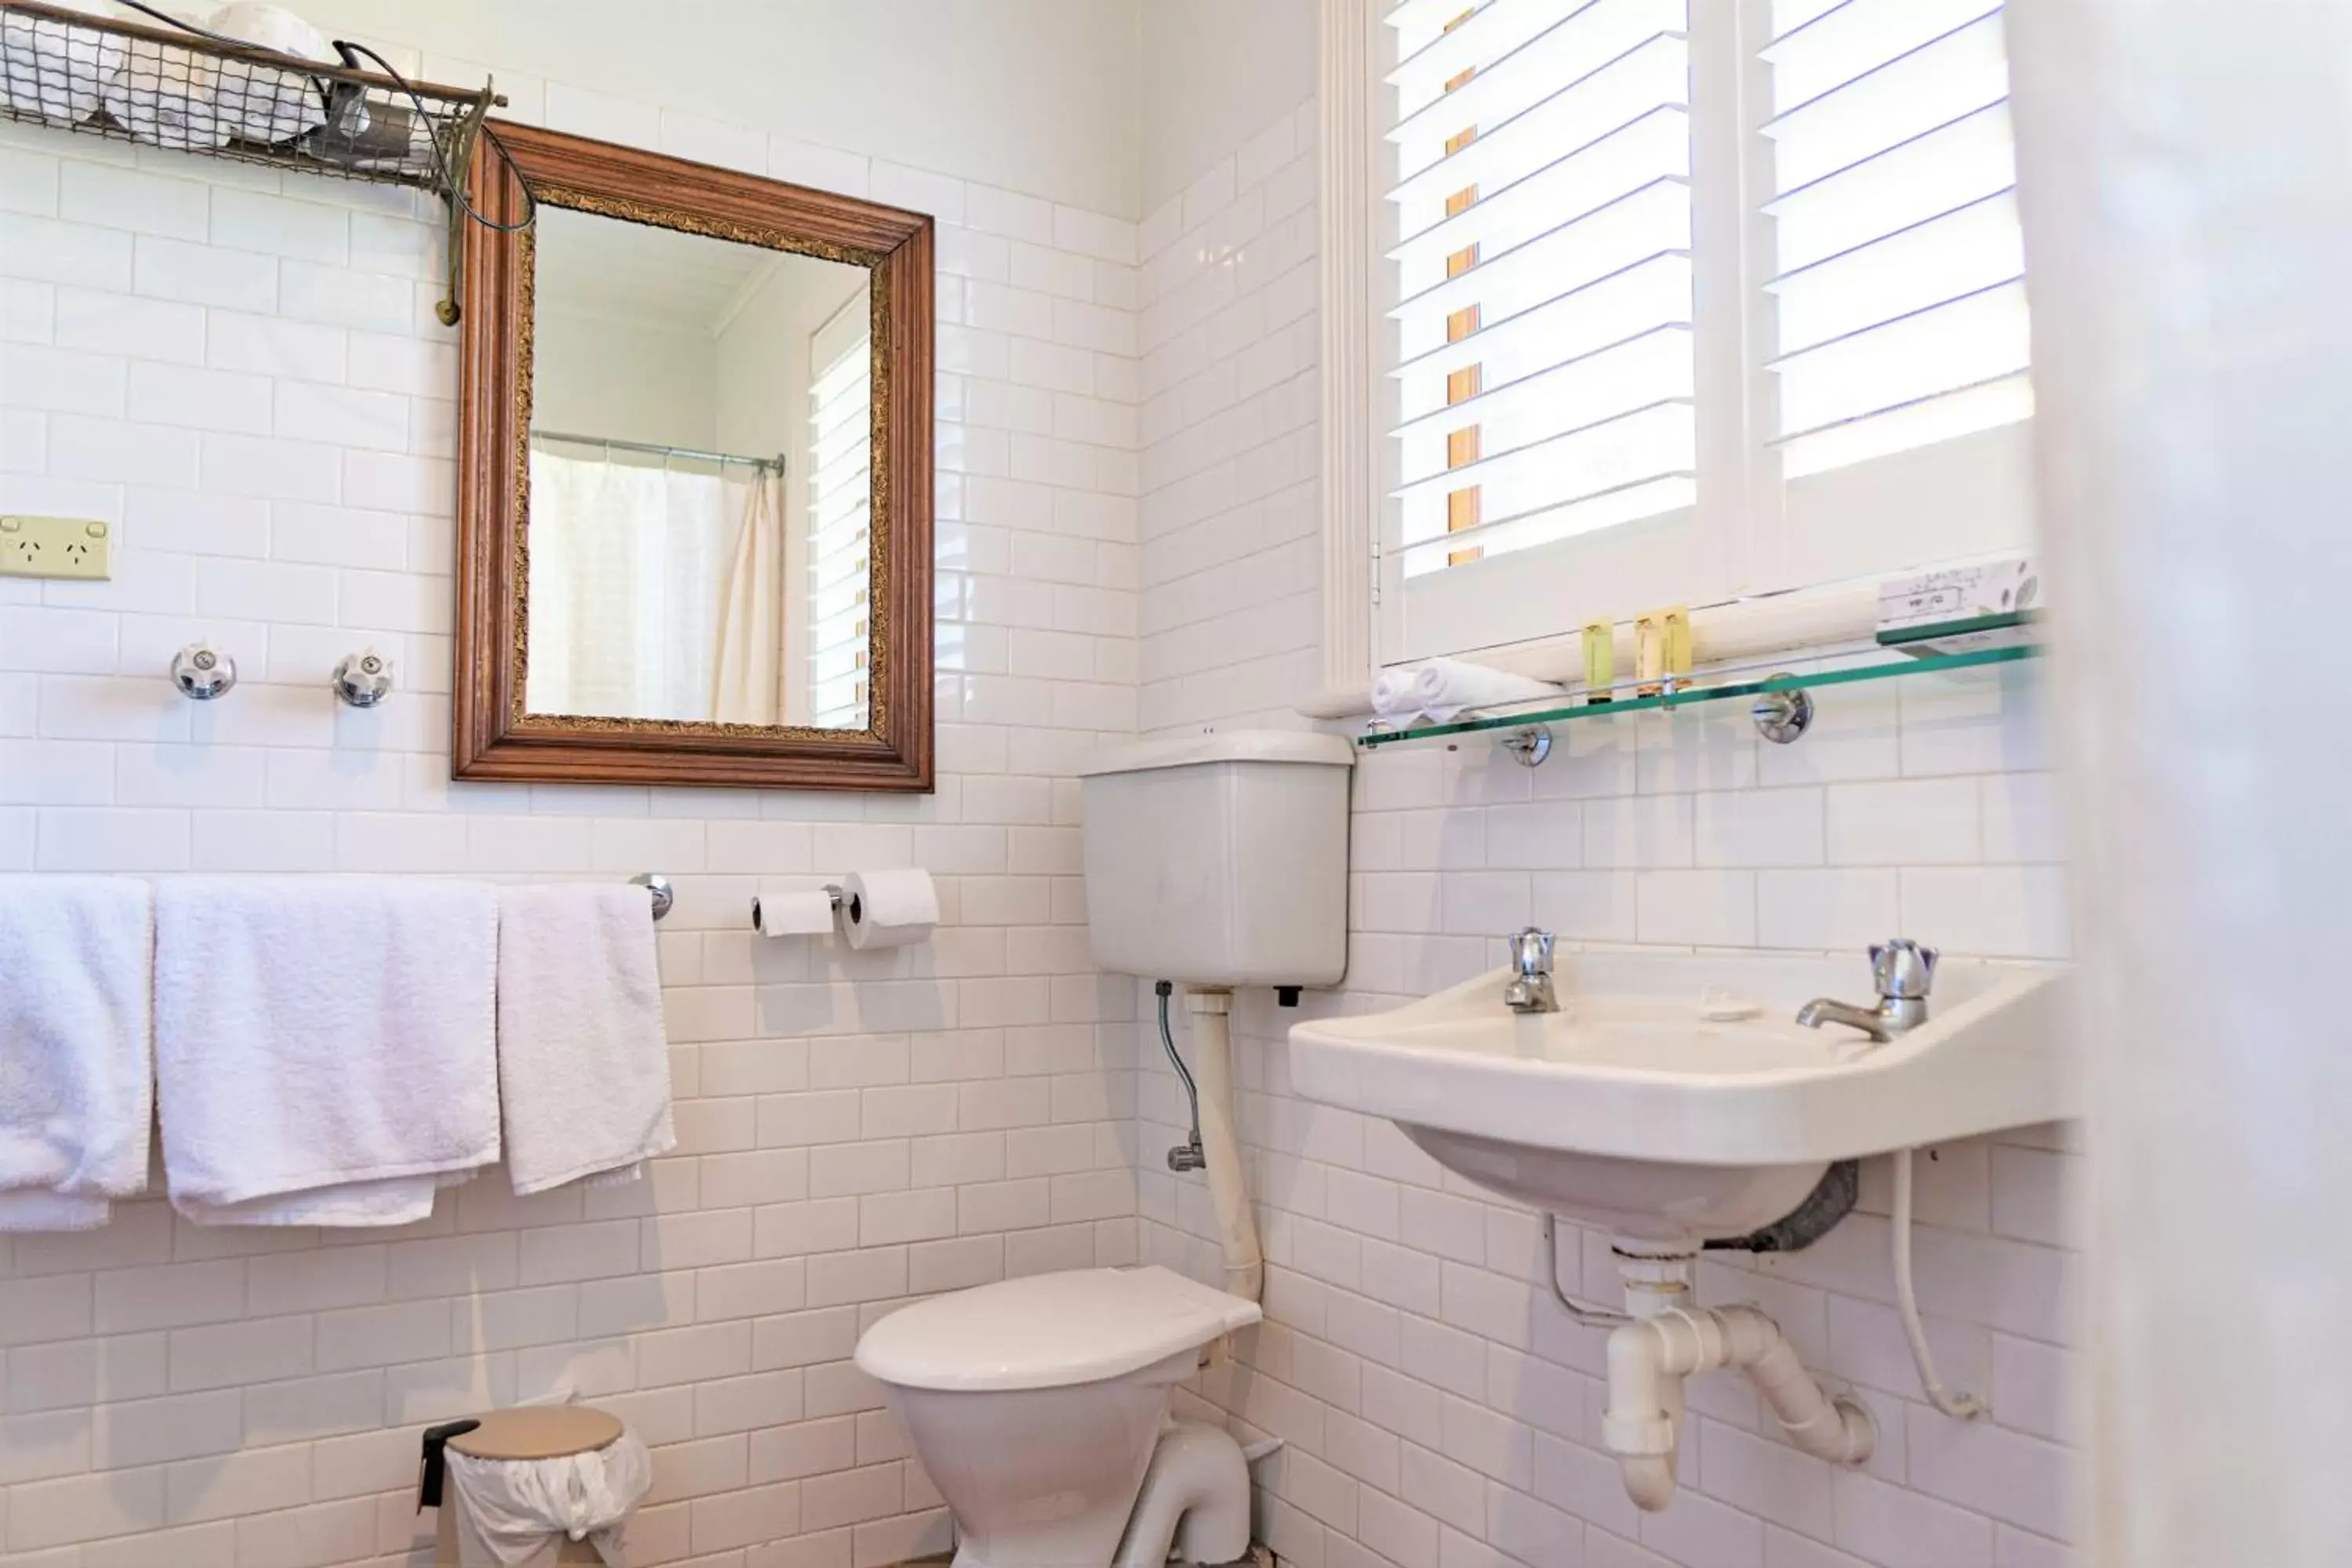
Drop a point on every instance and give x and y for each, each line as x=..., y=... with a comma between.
x=1673, y=1097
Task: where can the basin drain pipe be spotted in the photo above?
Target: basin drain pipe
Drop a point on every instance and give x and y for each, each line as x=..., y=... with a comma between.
x=1213, y=1041
x=1649, y=1360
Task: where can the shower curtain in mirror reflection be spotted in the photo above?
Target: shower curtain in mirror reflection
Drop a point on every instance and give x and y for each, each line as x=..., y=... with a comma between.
x=656, y=592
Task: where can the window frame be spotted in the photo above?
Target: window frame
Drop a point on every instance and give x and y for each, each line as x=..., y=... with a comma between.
x=1749, y=532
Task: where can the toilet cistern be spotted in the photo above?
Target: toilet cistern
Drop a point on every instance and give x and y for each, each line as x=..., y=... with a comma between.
x=1903, y=971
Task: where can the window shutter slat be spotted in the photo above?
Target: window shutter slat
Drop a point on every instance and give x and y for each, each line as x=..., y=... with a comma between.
x=1512, y=413
x=1567, y=520
x=1577, y=321
x=1955, y=162
x=1485, y=32
x=1950, y=344
x=1418, y=23
x=1891, y=101
x=1515, y=207
x=1519, y=135
x=1946, y=255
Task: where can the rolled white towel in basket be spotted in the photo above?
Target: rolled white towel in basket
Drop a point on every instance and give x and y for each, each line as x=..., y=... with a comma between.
x=55, y=69
x=76, y=1076
x=165, y=96
x=257, y=102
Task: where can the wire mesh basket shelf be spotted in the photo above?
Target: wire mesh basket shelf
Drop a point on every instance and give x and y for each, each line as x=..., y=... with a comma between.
x=161, y=87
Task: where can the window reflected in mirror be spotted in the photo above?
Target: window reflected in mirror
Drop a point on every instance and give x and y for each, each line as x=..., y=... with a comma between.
x=700, y=479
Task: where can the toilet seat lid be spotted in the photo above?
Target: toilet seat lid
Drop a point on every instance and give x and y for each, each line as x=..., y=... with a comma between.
x=1049, y=1331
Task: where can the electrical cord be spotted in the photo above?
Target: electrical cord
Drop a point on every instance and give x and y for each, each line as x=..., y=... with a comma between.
x=449, y=186
x=441, y=162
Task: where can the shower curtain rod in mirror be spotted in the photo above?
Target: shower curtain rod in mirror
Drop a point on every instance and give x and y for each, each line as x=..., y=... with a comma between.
x=776, y=462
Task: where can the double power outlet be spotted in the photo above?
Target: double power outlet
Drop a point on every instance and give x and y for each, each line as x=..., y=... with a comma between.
x=75, y=547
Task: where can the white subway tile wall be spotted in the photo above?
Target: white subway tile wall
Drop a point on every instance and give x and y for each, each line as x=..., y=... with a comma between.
x=1438, y=1411
x=242, y=372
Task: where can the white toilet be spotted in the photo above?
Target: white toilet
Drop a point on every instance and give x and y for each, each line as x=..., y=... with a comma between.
x=1036, y=1405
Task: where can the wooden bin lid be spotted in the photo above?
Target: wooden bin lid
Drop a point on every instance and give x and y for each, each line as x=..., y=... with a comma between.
x=538, y=1431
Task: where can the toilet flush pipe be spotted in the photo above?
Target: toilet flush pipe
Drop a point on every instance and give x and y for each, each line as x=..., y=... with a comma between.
x=1212, y=1040
x=1649, y=1360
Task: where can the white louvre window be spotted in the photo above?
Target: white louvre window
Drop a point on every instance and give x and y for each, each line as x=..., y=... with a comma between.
x=1897, y=286
x=1685, y=300
x=1900, y=288
x=1543, y=379
x=840, y=533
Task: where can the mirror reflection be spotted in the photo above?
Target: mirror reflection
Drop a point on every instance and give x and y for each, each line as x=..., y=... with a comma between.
x=700, y=478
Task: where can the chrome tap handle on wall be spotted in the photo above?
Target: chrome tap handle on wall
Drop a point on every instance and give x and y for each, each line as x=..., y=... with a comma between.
x=363, y=680
x=203, y=672
x=1904, y=970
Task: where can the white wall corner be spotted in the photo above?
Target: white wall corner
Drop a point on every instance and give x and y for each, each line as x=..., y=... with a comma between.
x=1349, y=213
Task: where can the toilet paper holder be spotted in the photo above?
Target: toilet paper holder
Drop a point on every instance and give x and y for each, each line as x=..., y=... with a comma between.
x=833, y=896
x=842, y=901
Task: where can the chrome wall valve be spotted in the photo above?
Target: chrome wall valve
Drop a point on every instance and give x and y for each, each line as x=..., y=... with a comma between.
x=203, y=672
x=364, y=678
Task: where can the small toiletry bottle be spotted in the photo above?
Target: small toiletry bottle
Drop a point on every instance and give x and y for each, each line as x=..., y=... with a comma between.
x=1678, y=645
x=1600, y=662
x=1649, y=653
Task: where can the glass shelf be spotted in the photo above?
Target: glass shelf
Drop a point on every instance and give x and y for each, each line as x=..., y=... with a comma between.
x=1720, y=685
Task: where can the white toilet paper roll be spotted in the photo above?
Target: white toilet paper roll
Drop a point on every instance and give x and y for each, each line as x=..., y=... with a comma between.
x=779, y=910
x=888, y=909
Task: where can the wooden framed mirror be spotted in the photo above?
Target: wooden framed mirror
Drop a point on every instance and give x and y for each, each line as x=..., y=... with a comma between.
x=693, y=509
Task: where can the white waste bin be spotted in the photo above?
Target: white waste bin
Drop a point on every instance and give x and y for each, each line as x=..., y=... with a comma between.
x=541, y=1485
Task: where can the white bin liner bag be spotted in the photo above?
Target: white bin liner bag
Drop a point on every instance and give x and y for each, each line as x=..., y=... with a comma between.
x=516, y=1513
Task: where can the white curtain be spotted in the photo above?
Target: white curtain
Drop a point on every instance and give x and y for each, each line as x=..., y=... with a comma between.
x=750, y=616
x=629, y=566
x=2186, y=171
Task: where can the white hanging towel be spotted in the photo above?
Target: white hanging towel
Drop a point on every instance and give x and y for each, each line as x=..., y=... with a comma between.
x=1447, y=687
x=76, y=1078
x=325, y=1050
x=516, y=1513
x=37, y=1208
x=584, y=1066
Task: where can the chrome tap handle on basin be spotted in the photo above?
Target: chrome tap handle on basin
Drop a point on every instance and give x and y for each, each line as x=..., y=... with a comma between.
x=1905, y=972
x=1902, y=969
x=1530, y=987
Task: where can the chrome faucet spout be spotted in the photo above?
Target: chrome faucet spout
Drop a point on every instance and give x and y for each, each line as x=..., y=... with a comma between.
x=1905, y=972
x=1530, y=994
x=1829, y=1010
x=1530, y=990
